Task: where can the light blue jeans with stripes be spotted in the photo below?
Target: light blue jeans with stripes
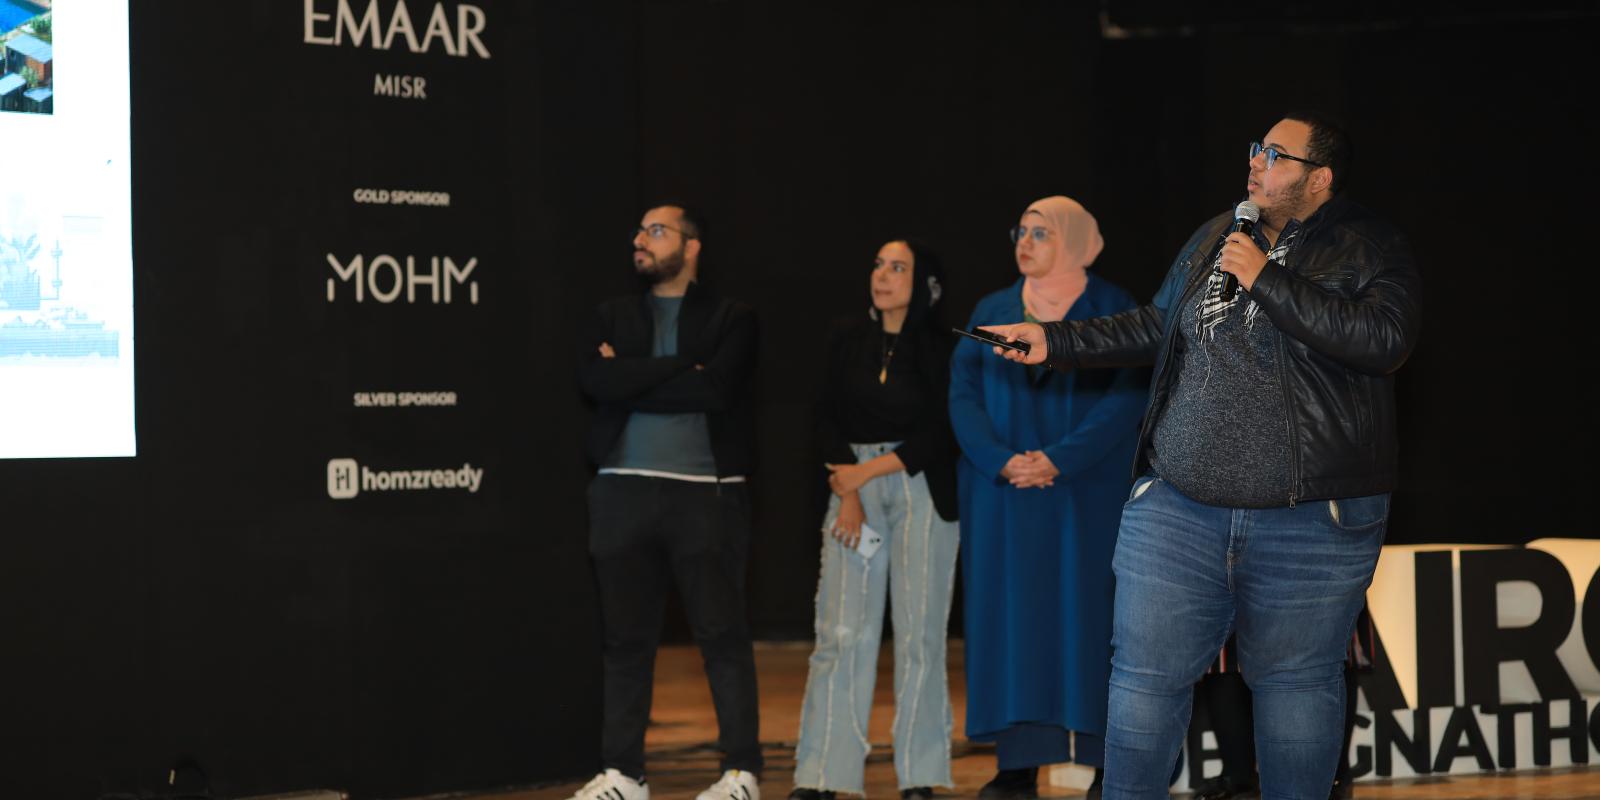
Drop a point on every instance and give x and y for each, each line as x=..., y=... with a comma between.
x=915, y=568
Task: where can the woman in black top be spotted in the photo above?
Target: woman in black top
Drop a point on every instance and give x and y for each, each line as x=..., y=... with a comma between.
x=890, y=530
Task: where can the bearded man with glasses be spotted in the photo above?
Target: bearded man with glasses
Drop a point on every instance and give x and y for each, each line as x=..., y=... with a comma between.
x=1264, y=466
x=669, y=373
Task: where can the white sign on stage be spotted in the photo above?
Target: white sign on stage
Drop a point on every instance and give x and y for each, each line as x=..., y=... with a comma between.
x=66, y=244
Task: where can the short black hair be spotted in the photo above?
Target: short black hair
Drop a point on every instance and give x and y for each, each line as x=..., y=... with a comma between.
x=693, y=224
x=1329, y=144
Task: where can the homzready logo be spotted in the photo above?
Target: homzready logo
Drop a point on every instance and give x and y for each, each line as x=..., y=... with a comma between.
x=346, y=479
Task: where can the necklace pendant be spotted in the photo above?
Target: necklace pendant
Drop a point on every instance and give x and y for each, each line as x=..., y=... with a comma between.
x=883, y=375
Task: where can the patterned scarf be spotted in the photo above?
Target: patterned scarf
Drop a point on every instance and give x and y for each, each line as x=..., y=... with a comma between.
x=1212, y=309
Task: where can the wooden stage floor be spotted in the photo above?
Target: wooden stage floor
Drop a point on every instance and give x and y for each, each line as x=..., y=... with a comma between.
x=682, y=760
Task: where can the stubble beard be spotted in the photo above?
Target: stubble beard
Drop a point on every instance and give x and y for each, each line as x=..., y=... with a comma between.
x=662, y=270
x=1290, y=204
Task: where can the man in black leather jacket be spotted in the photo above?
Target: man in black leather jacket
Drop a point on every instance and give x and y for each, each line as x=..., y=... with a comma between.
x=1264, y=466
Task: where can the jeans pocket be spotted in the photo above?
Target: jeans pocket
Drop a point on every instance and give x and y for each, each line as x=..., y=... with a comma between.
x=1359, y=513
x=1140, y=487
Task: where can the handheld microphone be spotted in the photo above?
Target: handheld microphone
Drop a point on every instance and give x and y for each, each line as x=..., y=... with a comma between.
x=1245, y=217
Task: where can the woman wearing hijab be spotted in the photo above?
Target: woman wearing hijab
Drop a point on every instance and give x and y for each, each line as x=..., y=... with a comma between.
x=885, y=438
x=1043, y=474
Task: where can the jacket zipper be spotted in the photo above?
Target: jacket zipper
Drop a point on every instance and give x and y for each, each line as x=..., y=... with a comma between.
x=1283, y=383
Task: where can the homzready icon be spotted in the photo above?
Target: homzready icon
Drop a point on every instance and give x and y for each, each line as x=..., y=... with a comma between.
x=347, y=479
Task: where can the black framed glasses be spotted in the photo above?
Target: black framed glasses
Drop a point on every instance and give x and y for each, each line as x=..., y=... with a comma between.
x=1038, y=234
x=1273, y=154
x=656, y=230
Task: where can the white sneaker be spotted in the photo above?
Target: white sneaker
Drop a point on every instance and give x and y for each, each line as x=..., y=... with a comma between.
x=613, y=785
x=735, y=785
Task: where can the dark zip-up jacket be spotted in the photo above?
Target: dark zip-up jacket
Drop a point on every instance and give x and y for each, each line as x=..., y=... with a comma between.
x=1347, y=308
x=716, y=334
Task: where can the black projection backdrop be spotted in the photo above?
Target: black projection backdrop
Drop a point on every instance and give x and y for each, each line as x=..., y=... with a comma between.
x=211, y=599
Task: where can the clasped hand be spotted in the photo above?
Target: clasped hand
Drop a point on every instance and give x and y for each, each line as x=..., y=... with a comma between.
x=847, y=478
x=1030, y=470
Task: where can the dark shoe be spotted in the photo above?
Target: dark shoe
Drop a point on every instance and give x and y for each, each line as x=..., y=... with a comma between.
x=1093, y=792
x=916, y=793
x=1012, y=784
x=1342, y=790
x=1223, y=787
x=809, y=794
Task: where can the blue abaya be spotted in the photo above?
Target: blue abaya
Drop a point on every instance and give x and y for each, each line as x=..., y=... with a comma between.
x=1036, y=563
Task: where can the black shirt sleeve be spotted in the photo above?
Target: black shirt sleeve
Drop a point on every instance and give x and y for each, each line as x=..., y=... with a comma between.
x=931, y=441
x=830, y=412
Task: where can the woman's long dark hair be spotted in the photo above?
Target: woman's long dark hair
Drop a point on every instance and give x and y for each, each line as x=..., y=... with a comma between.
x=924, y=327
x=927, y=283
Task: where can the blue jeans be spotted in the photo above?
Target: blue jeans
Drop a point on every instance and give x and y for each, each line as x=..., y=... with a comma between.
x=1289, y=581
x=916, y=567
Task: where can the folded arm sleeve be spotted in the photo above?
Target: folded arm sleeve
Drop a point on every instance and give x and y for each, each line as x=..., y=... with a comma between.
x=714, y=385
x=617, y=380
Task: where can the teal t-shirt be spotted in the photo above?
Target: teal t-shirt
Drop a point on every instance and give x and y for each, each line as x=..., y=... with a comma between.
x=674, y=443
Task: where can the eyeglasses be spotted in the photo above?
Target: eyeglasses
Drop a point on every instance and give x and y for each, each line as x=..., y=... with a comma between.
x=1273, y=154
x=656, y=230
x=1021, y=231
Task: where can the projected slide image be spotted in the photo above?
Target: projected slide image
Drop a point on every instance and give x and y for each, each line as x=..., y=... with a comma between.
x=27, y=57
x=66, y=267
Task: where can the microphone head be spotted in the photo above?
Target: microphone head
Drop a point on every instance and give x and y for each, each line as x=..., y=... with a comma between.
x=1248, y=211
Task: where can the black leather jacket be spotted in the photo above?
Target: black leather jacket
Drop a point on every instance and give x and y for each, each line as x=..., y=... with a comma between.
x=1347, y=308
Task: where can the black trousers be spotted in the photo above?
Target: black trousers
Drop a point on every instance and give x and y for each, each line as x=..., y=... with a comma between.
x=643, y=534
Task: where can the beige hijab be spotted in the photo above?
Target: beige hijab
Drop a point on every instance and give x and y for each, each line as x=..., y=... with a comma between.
x=1049, y=296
